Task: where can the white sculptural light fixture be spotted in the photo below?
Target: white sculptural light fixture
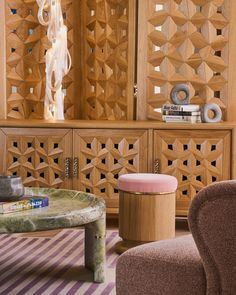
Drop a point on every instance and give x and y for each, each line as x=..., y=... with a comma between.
x=58, y=59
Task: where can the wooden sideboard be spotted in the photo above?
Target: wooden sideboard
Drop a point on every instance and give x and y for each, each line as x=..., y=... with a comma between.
x=149, y=46
x=90, y=155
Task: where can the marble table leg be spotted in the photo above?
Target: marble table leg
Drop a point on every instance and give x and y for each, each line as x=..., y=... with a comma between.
x=95, y=251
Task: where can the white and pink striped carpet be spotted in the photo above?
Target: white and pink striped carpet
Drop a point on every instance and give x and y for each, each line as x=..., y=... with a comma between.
x=52, y=266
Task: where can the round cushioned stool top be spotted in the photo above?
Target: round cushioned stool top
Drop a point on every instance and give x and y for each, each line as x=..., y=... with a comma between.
x=147, y=183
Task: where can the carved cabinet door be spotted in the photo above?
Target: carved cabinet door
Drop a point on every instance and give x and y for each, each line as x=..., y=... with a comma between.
x=196, y=157
x=100, y=156
x=40, y=156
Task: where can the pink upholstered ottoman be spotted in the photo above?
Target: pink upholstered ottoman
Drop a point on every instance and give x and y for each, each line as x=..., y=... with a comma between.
x=146, y=208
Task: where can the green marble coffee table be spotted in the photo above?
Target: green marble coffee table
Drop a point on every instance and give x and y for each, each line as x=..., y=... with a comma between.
x=67, y=208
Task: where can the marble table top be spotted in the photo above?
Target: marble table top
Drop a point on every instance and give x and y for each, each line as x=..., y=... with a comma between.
x=67, y=208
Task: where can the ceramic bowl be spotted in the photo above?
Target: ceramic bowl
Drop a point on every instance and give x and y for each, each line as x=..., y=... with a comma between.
x=11, y=188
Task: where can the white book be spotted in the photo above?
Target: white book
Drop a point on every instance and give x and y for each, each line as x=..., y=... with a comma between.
x=182, y=108
x=180, y=113
x=182, y=119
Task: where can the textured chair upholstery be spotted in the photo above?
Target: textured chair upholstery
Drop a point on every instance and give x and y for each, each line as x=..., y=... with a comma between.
x=197, y=264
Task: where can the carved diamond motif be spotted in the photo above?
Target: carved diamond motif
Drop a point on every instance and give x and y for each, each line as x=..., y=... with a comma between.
x=106, y=59
x=26, y=43
x=39, y=160
x=103, y=157
x=187, y=43
x=195, y=159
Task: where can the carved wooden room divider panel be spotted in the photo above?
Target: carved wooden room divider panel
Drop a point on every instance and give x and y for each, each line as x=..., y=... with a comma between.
x=185, y=41
x=39, y=156
x=101, y=40
x=197, y=158
x=108, y=58
x=26, y=43
x=102, y=156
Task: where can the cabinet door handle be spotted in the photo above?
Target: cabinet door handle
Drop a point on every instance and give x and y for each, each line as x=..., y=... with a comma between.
x=67, y=167
x=75, y=167
x=156, y=166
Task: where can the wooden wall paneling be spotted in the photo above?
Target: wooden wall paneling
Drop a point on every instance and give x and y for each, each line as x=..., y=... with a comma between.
x=150, y=150
x=132, y=59
x=84, y=51
x=38, y=155
x=108, y=54
x=196, y=158
x=231, y=11
x=182, y=42
x=2, y=61
x=26, y=43
x=25, y=47
x=103, y=155
x=142, y=60
x=77, y=59
x=2, y=152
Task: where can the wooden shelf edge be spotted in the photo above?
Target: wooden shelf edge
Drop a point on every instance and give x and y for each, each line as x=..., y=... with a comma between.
x=114, y=124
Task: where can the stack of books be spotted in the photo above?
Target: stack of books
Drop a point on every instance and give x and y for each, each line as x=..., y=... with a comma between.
x=190, y=113
x=24, y=203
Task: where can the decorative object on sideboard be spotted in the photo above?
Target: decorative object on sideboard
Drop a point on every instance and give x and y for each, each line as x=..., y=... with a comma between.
x=58, y=59
x=183, y=112
x=176, y=93
x=11, y=188
x=188, y=113
x=215, y=109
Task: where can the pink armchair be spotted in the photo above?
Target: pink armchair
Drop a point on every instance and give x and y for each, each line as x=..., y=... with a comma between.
x=197, y=264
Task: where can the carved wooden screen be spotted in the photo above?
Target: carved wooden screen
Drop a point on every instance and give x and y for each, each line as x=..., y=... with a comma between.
x=26, y=43
x=101, y=40
x=38, y=156
x=196, y=158
x=102, y=157
x=182, y=41
x=108, y=56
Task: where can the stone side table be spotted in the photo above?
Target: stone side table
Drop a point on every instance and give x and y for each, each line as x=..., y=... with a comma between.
x=67, y=208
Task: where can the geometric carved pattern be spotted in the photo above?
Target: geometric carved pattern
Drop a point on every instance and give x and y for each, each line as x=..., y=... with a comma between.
x=38, y=159
x=26, y=43
x=196, y=160
x=187, y=43
x=107, y=60
x=104, y=157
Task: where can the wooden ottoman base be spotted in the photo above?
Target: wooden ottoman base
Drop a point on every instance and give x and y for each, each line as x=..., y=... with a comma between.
x=145, y=218
x=125, y=245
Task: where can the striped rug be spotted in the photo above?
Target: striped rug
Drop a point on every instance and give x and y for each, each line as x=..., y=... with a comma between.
x=52, y=266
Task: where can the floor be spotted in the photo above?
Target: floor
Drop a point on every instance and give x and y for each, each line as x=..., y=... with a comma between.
x=71, y=277
x=181, y=229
